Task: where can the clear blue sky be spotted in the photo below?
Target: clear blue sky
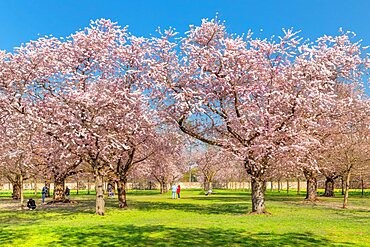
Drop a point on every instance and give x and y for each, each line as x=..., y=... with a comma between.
x=23, y=20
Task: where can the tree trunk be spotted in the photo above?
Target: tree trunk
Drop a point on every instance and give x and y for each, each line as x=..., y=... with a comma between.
x=59, y=189
x=77, y=186
x=47, y=184
x=272, y=186
x=279, y=186
x=165, y=187
x=342, y=181
x=298, y=186
x=311, y=177
x=105, y=186
x=16, y=188
x=21, y=190
x=88, y=186
x=329, y=187
x=210, y=185
x=287, y=186
x=161, y=187
x=258, y=196
x=100, y=203
x=35, y=184
x=362, y=186
x=346, y=189
x=122, y=202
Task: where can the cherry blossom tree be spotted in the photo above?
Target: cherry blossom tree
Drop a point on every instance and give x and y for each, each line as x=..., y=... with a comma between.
x=93, y=103
x=259, y=99
x=134, y=148
x=16, y=152
x=168, y=162
x=212, y=163
x=57, y=162
x=100, y=96
x=351, y=146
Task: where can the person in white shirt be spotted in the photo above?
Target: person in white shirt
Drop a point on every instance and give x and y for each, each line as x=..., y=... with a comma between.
x=174, y=189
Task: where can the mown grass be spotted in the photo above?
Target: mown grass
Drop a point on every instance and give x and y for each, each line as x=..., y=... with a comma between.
x=221, y=219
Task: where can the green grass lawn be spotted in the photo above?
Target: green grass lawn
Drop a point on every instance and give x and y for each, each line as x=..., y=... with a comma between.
x=195, y=220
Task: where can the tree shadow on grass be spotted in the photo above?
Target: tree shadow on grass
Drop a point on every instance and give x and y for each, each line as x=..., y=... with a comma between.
x=284, y=198
x=8, y=236
x=215, y=198
x=10, y=215
x=214, y=208
x=247, y=197
x=159, y=235
x=359, y=216
x=143, y=192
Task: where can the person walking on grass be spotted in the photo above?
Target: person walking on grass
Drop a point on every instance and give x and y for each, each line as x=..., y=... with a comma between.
x=178, y=191
x=174, y=190
x=43, y=193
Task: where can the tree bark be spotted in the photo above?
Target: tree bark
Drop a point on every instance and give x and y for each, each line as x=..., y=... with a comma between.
x=208, y=185
x=77, y=185
x=342, y=185
x=122, y=202
x=271, y=186
x=258, y=196
x=88, y=186
x=161, y=187
x=16, y=188
x=47, y=184
x=287, y=186
x=279, y=186
x=165, y=187
x=58, y=189
x=21, y=190
x=35, y=186
x=346, y=189
x=298, y=186
x=329, y=187
x=100, y=203
x=311, y=177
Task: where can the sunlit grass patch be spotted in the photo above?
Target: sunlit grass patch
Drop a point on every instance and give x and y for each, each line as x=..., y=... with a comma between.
x=221, y=219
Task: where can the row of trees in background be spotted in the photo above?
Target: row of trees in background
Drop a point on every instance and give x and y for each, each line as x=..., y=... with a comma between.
x=106, y=102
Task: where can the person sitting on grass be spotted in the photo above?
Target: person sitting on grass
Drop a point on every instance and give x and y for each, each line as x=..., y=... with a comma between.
x=31, y=204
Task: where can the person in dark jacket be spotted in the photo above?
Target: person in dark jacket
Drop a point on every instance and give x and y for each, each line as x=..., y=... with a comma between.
x=44, y=192
x=67, y=192
x=31, y=204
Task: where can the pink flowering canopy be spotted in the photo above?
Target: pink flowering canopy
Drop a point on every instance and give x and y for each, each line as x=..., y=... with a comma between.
x=102, y=95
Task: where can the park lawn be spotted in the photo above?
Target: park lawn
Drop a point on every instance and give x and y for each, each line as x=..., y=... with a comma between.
x=195, y=220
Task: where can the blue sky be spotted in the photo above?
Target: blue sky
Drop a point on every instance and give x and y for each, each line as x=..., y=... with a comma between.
x=24, y=20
